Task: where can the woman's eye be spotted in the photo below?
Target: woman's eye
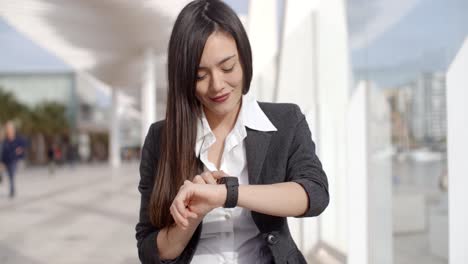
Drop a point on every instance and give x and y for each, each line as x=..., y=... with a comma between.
x=228, y=69
x=200, y=77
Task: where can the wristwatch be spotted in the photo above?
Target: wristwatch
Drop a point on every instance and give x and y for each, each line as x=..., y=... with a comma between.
x=232, y=187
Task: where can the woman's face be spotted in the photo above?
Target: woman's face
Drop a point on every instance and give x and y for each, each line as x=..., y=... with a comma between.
x=219, y=76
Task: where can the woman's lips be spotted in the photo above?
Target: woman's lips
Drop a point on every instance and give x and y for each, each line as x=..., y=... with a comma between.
x=220, y=99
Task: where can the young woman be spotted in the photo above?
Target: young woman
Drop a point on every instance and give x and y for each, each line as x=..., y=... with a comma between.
x=222, y=172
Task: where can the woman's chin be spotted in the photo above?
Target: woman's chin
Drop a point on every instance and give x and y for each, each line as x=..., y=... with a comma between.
x=221, y=110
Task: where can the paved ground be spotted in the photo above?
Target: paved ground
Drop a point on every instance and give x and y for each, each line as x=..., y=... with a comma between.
x=81, y=215
x=87, y=215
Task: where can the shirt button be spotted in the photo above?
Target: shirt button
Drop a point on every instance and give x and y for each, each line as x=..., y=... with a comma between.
x=227, y=216
x=272, y=239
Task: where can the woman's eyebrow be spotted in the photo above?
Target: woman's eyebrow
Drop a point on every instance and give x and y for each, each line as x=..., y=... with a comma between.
x=220, y=62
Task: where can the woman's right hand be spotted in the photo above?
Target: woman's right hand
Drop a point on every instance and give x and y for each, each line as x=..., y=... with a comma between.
x=198, y=208
x=207, y=177
x=195, y=200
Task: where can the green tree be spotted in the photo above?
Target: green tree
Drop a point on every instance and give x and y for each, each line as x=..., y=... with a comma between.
x=47, y=118
x=10, y=108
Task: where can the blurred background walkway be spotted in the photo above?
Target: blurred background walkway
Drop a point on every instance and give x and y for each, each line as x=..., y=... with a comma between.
x=84, y=214
x=87, y=213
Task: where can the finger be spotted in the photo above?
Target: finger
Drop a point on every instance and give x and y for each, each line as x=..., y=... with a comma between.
x=174, y=215
x=219, y=174
x=198, y=179
x=191, y=214
x=181, y=201
x=183, y=221
x=185, y=184
x=178, y=219
x=208, y=178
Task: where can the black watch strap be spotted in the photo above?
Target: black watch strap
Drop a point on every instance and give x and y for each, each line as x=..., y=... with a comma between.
x=232, y=194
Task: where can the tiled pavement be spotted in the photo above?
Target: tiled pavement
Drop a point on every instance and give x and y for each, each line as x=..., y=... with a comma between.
x=85, y=214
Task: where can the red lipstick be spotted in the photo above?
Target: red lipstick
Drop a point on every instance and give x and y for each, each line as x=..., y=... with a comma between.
x=220, y=99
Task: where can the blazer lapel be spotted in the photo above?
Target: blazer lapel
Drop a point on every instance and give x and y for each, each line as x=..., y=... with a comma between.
x=256, y=146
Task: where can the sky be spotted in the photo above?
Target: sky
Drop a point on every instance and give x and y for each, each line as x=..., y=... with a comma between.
x=240, y=6
x=393, y=41
x=19, y=54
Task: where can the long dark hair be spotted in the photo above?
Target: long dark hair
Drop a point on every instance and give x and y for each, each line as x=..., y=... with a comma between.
x=177, y=162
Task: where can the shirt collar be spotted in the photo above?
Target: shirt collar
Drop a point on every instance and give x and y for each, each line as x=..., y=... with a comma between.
x=251, y=116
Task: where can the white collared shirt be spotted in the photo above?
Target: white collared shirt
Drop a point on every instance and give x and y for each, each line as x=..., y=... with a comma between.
x=229, y=235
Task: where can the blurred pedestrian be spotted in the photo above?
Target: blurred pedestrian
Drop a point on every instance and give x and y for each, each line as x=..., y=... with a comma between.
x=58, y=154
x=51, y=159
x=1, y=164
x=13, y=149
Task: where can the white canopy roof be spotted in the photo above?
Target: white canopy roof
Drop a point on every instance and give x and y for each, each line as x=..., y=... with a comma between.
x=106, y=38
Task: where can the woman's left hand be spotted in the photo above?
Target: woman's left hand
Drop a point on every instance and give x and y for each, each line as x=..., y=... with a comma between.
x=195, y=200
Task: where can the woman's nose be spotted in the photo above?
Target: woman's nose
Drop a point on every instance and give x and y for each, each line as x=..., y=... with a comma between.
x=217, y=82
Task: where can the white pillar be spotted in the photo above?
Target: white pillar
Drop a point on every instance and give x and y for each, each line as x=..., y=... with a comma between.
x=314, y=72
x=369, y=186
x=333, y=84
x=457, y=144
x=148, y=94
x=263, y=35
x=114, y=135
x=296, y=80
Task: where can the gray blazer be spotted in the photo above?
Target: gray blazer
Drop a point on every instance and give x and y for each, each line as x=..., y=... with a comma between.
x=272, y=157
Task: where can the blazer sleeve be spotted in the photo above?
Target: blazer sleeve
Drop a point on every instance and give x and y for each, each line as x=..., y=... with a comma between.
x=146, y=232
x=305, y=168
